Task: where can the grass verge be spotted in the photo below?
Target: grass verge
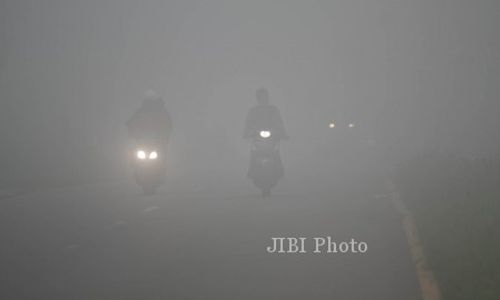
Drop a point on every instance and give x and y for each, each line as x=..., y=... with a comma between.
x=456, y=205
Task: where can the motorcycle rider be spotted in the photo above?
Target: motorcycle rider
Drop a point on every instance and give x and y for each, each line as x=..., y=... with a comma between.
x=150, y=124
x=264, y=116
x=151, y=119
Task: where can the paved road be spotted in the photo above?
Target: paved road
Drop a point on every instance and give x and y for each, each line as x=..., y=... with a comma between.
x=201, y=241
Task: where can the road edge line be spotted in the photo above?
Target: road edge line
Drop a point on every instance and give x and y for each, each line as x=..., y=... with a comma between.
x=428, y=284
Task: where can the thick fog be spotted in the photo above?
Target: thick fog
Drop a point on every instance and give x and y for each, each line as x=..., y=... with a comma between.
x=411, y=75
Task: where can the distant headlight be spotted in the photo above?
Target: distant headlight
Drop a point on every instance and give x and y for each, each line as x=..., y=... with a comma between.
x=332, y=125
x=153, y=155
x=351, y=125
x=141, y=154
x=265, y=134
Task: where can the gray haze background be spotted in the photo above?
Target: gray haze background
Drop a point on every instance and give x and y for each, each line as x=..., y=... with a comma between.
x=413, y=74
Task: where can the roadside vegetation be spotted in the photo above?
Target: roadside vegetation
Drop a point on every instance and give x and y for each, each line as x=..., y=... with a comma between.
x=456, y=204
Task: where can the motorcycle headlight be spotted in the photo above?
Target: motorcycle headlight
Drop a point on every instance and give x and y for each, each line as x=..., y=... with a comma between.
x=141, y=154
x=265, y=134
x=153, y=155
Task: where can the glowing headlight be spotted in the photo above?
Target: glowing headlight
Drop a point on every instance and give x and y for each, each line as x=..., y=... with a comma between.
x=141, y=154
x=351, y=125
x=153, y=155
x=332, y=125
x=265, y=134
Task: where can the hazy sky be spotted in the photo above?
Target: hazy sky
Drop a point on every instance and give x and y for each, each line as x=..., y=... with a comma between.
x=415, y=74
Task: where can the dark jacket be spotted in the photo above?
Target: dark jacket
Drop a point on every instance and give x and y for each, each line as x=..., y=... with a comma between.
x=264, y=117
x=151, y=120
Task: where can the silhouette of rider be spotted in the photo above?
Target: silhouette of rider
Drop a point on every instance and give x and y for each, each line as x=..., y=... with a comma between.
x=151, y=119
x=264, y=116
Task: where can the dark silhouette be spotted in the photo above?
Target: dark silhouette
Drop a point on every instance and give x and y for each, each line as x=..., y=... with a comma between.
x=150, y=129
x=264, y=116
x=151, y=120
x=265, y=127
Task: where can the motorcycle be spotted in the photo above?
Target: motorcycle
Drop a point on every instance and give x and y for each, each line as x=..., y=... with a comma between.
x=265, y=163
x=149, y=165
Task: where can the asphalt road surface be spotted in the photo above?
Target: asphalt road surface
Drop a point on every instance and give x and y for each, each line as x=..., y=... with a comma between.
x=202, y=241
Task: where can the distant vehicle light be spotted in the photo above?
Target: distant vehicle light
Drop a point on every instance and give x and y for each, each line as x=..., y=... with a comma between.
x=141, y=154
x=351, y=125
x=331, y=125
x=153, y=155
x=265, y=134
